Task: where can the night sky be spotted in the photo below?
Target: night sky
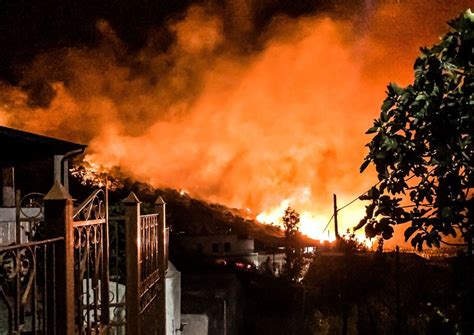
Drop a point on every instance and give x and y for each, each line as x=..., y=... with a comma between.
x=31, y=27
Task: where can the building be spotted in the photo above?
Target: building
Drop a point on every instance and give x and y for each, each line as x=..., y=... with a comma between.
x=234, y=249
x=220, y=245
x=30, y=163
x=173, y=300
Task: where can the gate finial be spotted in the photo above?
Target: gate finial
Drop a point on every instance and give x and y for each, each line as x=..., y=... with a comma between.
x=159, y=201
x=57, y=192
x=131, y=199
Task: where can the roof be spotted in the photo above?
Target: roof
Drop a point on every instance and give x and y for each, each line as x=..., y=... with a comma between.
x=19, y=146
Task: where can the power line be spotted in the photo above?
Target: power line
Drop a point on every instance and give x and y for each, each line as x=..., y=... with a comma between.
x=358, y=198
x=348, y=204
x=332, y=216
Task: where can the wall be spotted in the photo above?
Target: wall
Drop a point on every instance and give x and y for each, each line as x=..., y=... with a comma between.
x=217, y=295
x=173, y=300
x=8, y=224
x=196, y=324
x=238, y=246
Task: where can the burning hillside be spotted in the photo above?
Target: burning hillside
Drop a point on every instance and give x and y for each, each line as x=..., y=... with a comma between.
x=185, y=215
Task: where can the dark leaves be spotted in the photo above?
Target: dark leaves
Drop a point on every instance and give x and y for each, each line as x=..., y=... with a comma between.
x=372, y=130
x=364, y=165
x=394, y=90
x=409, y=231
x=423, y=147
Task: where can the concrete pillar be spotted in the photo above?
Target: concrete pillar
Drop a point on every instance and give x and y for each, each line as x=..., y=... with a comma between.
x=8, y=186
x=58, y=168
x=58, y=222
x=66, y=174
x=160, y=206
x=132, y=261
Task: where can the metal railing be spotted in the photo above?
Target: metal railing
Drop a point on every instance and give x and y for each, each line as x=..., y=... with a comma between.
x=21, y=223
x=26, y=285
x=91, y=265
x=117, y=275
x=149, y=260
x=149, y=253
x=145, y=257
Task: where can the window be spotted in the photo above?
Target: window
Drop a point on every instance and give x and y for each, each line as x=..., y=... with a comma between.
x=215, y=247
x=226, y=247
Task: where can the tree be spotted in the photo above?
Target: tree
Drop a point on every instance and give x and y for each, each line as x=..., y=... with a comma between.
x=349, y=244
x=423, y=147
x=294, y=257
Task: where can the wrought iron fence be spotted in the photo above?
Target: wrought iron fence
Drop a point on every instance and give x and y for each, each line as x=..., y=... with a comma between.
x=26, y=286
x=117, y=275
x=145, y=257
x=149, y=259
x=22, y=224
x=91, y=290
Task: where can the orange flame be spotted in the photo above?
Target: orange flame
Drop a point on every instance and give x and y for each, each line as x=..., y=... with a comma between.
x=315, y=223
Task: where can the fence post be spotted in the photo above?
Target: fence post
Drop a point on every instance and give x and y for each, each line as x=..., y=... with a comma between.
x=132, y=261
x=160, y=207
x=58, y=222
x=105, y=302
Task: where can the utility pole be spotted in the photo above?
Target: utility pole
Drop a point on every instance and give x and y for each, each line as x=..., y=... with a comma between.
x=343, y=296
x=336, y=231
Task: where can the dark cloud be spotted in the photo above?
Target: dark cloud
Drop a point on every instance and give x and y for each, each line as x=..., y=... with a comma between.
x=28, y=28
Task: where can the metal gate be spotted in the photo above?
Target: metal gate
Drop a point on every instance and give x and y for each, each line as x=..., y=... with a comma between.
x=60, y=285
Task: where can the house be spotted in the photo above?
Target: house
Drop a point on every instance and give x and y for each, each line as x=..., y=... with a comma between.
x=30, y=163
x=228, y=246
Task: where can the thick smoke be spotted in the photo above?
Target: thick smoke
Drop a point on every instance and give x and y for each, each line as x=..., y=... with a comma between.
x=229, y=110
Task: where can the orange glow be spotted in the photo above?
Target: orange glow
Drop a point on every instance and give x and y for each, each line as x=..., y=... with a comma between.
x=313, y=223
x=245, y=128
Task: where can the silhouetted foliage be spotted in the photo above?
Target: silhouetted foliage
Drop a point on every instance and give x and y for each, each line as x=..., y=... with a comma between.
x=294, y=256
x=360, y=290
x=424, y=146
x=349, y=244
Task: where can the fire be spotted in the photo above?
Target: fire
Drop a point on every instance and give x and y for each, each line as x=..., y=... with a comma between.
x=274, y=215
x=315, y=224
x=311, y=225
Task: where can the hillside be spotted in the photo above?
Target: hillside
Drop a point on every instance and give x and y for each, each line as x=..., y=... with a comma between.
x=185, y=214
